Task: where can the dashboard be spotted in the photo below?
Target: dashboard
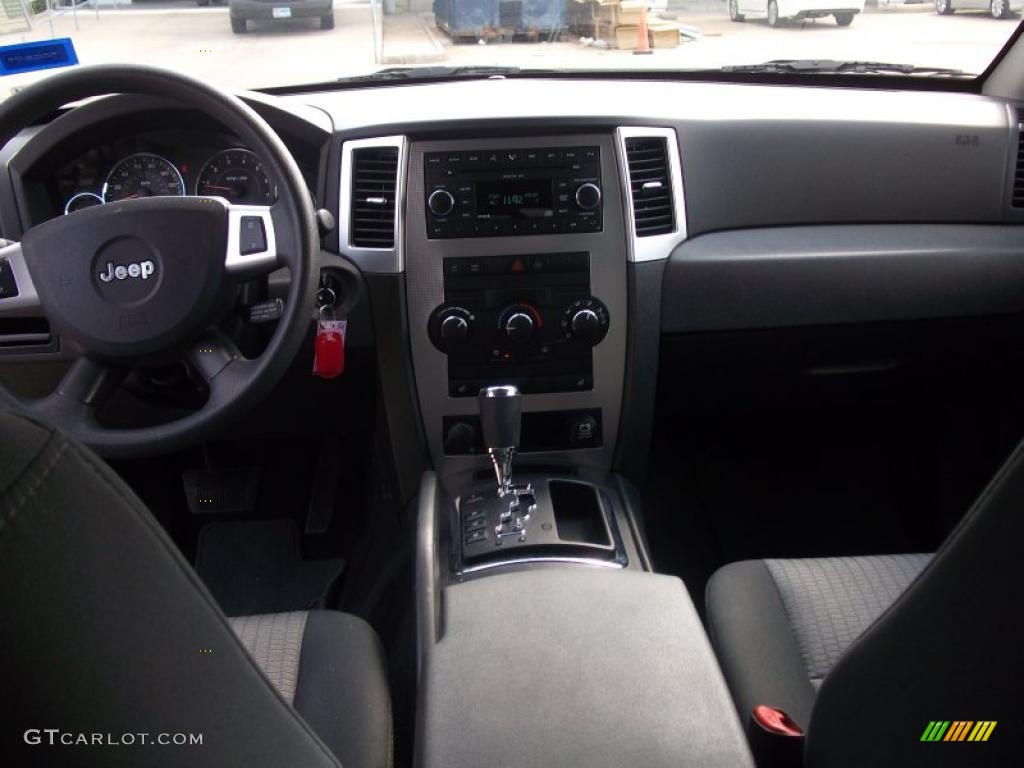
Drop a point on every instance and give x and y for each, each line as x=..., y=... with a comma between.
x=529, y=244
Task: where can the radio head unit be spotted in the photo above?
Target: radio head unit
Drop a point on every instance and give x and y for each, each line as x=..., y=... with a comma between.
x=513, y=192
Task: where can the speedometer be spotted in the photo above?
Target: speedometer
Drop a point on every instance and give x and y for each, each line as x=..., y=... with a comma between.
x=238, y=176
x=142, y=175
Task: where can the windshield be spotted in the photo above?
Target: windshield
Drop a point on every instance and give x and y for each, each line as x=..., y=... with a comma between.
x=266, y=43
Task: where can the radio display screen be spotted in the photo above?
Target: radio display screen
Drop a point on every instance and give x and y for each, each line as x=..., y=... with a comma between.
x=514, y=199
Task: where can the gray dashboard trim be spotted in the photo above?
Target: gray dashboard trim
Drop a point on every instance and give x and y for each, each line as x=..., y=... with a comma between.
x=751, y=155
x=765, y=278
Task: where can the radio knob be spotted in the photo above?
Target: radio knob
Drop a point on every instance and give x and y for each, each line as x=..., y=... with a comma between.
x=586, y=324
x=519, y=326
x=454, y=329
x=441, y=202
x=588, y=196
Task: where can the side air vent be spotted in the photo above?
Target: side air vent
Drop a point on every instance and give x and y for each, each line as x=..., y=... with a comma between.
x=374, y=193
x=650, y=186
x=20, y=332
x=1018, y=174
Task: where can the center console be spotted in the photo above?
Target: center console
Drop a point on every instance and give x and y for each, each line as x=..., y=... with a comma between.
x=544, y=638
x=516, y=253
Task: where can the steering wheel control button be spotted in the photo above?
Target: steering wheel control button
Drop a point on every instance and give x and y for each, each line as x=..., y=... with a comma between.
x=8, y=285
x=253, y=237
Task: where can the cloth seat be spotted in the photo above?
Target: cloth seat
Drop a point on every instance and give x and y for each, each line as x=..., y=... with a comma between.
x=330, y=666
x=873, y=656
x=779, y=626
x=111, y=640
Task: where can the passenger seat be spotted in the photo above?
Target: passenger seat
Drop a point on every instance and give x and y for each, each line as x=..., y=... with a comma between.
x=866, y=654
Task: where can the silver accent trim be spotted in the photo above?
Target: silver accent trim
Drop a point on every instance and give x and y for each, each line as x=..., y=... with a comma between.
x=388, y=260
x=655, y=247
x=77, y=195
x=27, y=300
x=615, y=564
x=234, y=261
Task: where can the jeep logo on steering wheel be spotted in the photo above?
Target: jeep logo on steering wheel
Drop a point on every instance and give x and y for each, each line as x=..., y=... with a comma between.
x=135, y=269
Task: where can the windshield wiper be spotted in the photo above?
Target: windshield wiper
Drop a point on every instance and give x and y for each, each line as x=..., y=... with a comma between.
x=833, y=67
x=438, y=73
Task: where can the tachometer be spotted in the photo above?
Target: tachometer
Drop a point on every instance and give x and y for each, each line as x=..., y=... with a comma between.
x=238, y=176
x=142, y=175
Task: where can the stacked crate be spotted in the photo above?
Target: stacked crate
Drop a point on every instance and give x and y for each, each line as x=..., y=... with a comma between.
x=617, y=22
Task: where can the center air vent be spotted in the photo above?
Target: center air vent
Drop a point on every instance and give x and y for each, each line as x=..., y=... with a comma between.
x=1018, y=174
x=374, y=193
x=650, y=186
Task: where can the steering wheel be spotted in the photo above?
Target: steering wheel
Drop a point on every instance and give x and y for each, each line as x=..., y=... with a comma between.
x=145, y=281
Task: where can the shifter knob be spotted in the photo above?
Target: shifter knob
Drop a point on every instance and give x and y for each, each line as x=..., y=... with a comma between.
x=500, y=409
x=499, y=416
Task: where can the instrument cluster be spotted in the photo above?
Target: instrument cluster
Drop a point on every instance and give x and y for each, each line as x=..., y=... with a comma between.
x=115, y=172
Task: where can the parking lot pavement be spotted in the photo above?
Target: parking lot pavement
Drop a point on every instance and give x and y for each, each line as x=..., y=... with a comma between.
x=199, y=41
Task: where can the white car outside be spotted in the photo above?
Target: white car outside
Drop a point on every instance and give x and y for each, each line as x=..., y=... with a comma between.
x=998, y=9
x=777, y=10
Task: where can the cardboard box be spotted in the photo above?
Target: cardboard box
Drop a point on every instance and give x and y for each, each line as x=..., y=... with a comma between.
x=663, y=34
x=624, y=14
x=626, y=37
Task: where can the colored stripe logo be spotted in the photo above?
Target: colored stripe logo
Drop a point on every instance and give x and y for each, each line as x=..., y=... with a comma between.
x=958, y=730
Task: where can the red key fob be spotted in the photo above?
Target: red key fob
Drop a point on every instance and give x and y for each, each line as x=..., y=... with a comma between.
x=329, y=349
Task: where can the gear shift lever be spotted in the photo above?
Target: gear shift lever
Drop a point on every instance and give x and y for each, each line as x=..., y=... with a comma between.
x=500, y=409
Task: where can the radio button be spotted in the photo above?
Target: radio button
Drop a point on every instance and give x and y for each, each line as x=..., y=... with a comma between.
x=588, y=196
x=441, y=203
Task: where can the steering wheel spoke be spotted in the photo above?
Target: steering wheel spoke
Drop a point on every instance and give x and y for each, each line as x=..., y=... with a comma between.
x=82, y=391
x=18, y=296
x=212, y=354
x=252, y=247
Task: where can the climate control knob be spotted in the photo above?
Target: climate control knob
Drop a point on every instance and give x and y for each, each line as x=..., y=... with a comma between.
x=519, y=326
x=585, y=324
x=450, y=326
x=588, y=196
x=441, y=203
x=586, y=319
x=454, y=329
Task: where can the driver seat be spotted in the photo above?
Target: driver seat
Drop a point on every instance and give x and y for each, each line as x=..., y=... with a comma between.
x=110, y=638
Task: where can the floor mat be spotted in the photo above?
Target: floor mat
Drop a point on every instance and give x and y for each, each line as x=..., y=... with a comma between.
x=257, y=567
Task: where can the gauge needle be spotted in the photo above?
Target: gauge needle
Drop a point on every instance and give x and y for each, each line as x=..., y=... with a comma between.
x=214, y=186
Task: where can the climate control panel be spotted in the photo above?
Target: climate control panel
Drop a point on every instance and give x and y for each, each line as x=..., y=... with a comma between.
x=524, y=320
